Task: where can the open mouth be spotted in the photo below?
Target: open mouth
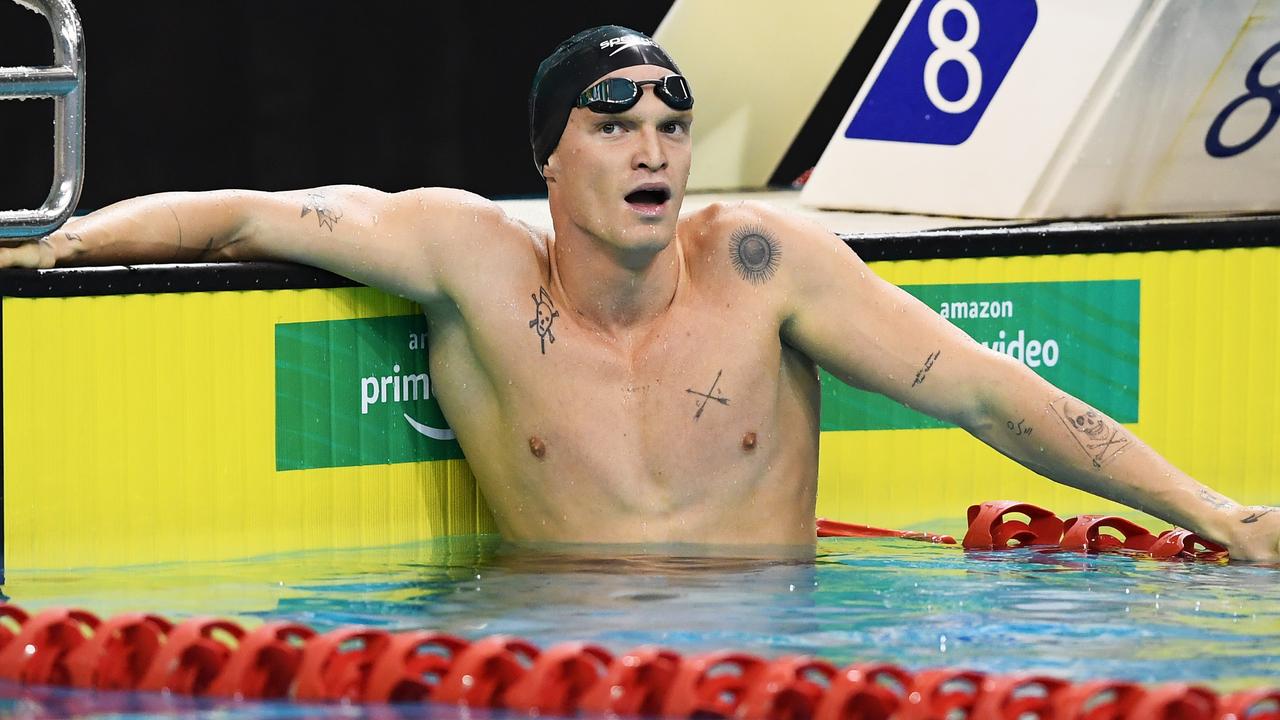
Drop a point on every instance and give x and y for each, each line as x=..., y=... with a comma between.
x=648, y=199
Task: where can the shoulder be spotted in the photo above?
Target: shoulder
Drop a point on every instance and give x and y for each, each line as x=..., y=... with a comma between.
x=473, y=244
x=757, y=240
x=726, y=220
x=463, y=221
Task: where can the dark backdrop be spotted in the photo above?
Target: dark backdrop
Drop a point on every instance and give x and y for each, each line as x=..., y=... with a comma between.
x=280, y=94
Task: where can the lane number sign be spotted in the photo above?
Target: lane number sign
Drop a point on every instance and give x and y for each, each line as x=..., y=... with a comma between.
x=944, y=71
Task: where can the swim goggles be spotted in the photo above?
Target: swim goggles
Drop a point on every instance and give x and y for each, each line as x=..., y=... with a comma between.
x=618, y=94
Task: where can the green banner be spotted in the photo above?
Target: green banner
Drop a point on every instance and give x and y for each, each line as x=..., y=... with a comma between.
x=356, y=392
x=1080, y=336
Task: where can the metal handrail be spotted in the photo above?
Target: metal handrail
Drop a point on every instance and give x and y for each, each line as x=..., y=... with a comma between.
x=65, y=84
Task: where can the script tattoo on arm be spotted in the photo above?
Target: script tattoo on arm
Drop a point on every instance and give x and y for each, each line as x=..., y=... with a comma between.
x=928, y=365
x=327, y=213
x=708, y=395
x=74, y=238
x=1019, y=428
x=1097, y=437
x=755, y=254
x=544, y=314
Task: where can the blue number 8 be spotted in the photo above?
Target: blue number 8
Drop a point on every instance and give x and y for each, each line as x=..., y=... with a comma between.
x=1253, y=83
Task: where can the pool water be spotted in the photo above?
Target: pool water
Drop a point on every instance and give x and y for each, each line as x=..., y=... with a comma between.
x=915, y=604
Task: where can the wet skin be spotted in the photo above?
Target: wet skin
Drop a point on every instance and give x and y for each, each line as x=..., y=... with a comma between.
x=634, y=376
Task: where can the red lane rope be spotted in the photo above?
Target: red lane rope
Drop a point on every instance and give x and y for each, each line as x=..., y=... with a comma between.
x=288, y=661
x=1000, y=524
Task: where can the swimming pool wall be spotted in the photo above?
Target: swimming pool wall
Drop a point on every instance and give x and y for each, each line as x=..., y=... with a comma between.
x=176, y=413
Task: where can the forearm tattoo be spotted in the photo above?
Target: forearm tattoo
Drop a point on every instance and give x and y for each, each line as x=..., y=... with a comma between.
x=544, y=314
x=326, y=212
x=1258, y=515
x=928, y=365
x=1215, y=500
x=1019, y=428
x=755, y=254
x=209, y=250
x=1101, y=440
x=72, y=239
x=708, y=396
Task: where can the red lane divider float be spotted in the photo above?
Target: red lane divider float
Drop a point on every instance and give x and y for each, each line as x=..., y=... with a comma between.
x=284, y=660
x=999, y=525
x=833, y=528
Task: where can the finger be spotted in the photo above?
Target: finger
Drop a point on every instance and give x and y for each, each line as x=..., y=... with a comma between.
x=26, y=255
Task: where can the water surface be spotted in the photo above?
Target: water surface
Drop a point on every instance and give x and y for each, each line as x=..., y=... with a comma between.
x=915, y=604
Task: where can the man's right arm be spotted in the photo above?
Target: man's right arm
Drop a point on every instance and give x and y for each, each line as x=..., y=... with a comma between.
x=391, y=241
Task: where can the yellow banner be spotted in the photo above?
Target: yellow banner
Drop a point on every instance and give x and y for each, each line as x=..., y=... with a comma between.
x=141, y=428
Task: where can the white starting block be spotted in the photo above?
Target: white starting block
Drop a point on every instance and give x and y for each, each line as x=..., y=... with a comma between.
x=1056, y=108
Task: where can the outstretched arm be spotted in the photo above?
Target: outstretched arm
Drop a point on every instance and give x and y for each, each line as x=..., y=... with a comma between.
x=875, y=336
x=392, y=241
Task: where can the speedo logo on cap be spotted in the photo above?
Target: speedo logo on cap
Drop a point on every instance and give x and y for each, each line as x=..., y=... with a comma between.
x=624, y=42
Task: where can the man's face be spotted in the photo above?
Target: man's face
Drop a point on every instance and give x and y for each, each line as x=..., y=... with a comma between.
x=621, y=177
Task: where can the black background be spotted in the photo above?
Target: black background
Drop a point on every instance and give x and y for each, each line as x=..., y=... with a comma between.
x=283, y=94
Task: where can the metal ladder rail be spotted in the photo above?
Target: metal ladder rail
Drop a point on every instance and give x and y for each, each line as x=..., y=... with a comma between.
x=65, y=84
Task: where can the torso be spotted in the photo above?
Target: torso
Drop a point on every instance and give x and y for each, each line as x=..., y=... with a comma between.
x=703, y=428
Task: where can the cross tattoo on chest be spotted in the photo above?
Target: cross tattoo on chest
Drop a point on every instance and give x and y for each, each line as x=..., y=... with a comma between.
x=708, y=396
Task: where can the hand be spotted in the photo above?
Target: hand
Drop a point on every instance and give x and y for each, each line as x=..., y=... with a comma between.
x=30, y=254
x=1257, y=534
x=42, y=253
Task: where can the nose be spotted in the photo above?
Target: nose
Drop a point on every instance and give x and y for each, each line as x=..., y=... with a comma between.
x=649, y=153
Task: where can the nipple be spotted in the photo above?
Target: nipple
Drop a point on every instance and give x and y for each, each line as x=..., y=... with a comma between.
x=539, y=450
x=749, y=441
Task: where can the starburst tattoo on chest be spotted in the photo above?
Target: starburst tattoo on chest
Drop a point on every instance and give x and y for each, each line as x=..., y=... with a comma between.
x=544, y=314
x=755, y=254
x=326, y=212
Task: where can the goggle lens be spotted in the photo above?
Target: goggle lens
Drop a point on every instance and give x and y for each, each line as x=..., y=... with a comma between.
x=615, y=95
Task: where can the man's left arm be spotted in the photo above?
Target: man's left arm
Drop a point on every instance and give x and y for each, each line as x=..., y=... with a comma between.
x=875, y=336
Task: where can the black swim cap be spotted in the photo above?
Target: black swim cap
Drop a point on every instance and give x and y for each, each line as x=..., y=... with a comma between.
x=572, y=67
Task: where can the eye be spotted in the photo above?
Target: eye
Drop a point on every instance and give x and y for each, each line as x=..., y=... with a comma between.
x=609, y=128
x=673, y=127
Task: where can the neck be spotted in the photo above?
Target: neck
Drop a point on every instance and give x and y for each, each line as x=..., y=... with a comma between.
x=614, y=290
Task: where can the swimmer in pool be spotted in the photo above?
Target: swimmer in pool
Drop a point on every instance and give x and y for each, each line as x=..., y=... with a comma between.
x=634, y=376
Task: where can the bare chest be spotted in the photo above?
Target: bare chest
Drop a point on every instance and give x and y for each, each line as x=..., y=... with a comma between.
x=701, y=377
x=706, y=398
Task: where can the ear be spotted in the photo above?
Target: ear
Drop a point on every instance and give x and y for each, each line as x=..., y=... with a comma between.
x=552, y=168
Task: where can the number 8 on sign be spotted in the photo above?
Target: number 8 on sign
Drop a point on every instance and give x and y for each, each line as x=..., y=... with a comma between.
x=943, y=71
x=1257, y=91
x=957, y=51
